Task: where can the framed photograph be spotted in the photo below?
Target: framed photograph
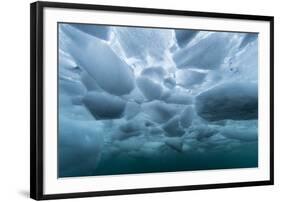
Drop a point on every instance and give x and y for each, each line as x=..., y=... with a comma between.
x=136, y=100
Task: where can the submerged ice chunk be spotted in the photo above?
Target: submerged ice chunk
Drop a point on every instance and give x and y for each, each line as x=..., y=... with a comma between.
x=159, y=111
x=248, y=39
x=77, y=100
x=155, y=131
x=189, y=78
x=150, y=89
x=130, y=144
x=154, y=73
x=173, y=127
x=132, y=109
x=204, y=131
x=100, y=31
x=135, y=96
x=183, y=37
x=208, y=53
x=71, y=87
x=244, y=65
x=179, y=98
x=170, y=82
x=174, y=143
x=150, y=150
x=72, y=110
x=236, y=101
x=66, y=61
x=127, y=130
x=104, y=106
x=89, y=82
x=187, y=116
x=80, y=144
x=110, y=72
x=143, y=42
x=131, y=126
x=241, y=130
x=120, y=135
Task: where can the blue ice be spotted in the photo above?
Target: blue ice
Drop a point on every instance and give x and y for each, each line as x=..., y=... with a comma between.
x=135, y=99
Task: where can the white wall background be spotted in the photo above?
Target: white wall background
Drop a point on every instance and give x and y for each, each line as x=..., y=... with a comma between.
x=14, y=100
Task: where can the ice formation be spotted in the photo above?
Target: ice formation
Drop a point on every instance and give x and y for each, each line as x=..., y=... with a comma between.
x=235, y=101
x=104, y=106
x=207, y=53
x=101, y=32
x=90, y=55
x=80, y=146
x=183, y=37
x=150, y=89
x=136, y=100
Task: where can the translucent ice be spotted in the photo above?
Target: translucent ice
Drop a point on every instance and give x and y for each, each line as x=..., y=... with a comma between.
x=179, y=97
x=243, y=65
x=151, y=149
x=66, y=61
x=89, y=82
x=120, y=135
x=80, y=147
x=156, y=131
x=144, y=42
x=159, y=111
x=184, y=36
x=150, y=89
x=135, y=96
x=248, y=39
x=187, y=116
x=104, y=106
x=241, y=130
x=236, y=101
x=110, y=72
x=71, y=110
x=99, y=31
x=135, y=100
x=208, y=53
x=127, y=130
x=154, y=73
x=71, y=87
x=173, y=127
x=130, y=126
x=174, y=143
x=189, y=78
x=132, y=109
x=130, y=144
x=203, y=132
x=170, y=82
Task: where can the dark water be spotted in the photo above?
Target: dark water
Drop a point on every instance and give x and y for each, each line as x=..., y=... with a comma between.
x=245, y=156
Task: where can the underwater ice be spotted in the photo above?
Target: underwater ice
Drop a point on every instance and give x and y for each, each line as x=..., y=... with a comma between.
x=183, y=37
x=129, y=95
x=89, y=53
x=80, y=144
x=235, y=101
x=189, y=78
x=207, y=53
x=143, y=44
x=150, y=89
x=101, y=32
x=104, y=106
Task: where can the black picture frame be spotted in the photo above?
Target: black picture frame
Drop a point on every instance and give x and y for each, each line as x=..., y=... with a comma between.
x=37, y=99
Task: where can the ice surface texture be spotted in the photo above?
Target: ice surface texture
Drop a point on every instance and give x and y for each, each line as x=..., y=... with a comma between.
x=138, y=100
x=98, y=59
x=235, y=101
x=101, y=32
